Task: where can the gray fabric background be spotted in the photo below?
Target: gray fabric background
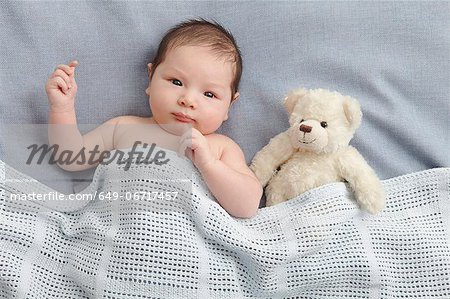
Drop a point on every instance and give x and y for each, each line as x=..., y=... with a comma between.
x=392, y=56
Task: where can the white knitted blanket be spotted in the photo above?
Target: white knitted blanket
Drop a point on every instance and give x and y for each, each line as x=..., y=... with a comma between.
x=319, y=245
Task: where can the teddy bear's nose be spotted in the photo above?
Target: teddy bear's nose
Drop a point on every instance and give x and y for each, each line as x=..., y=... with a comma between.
x=305, y=128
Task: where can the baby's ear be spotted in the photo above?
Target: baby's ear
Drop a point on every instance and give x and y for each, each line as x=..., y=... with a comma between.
x=150, y=67
x=235, y=97
x=292, y=98
x=352, y=111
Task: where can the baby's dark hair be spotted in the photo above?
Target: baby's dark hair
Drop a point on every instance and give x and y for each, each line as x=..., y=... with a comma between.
x=204, y=33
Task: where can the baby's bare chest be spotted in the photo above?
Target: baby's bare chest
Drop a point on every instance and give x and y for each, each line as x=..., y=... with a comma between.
x=126, y=135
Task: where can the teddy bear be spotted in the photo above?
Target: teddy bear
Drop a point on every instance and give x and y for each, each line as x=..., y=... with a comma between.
x=315, y=150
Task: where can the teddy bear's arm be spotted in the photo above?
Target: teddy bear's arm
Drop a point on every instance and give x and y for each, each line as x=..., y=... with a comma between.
x=362, y=179
x=276, y=152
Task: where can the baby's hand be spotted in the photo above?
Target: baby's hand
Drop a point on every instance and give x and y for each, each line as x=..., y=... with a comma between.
x=199, y=152
x=61, y=87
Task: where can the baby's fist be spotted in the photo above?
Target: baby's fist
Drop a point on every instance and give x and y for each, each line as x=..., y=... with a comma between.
x=61, y=87
x=198, y=149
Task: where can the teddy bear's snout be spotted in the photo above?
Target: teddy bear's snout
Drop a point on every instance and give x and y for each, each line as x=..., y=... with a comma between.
x=305, y=128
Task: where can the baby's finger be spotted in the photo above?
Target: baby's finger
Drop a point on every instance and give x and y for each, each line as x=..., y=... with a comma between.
x=185, y=144
x=63, y=75
x=73, y=63
x=186, y=135
x=185, y=149
x=182, y=148
x=62, y=84
x=67, y=69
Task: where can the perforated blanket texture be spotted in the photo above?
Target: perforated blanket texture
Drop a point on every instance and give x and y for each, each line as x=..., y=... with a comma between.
x=318, y=245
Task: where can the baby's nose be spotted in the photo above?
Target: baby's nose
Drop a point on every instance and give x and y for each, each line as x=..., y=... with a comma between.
x=186, y=102
x=305, y=128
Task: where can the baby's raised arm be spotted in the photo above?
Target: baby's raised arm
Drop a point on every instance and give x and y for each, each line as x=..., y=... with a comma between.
x=63, y=129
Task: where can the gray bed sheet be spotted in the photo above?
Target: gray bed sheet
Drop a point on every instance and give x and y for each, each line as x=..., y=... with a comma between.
x=392, y=56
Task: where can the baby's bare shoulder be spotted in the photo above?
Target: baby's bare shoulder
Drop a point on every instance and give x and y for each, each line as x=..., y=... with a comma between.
x=229, y=152
x=219, y=139
x=223, y=144
x=127, y=129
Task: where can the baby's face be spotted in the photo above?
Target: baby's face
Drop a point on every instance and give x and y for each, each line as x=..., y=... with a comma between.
x=191, y=87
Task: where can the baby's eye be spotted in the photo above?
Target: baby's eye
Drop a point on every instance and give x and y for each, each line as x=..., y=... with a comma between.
x=177, y=82
x=209, y=94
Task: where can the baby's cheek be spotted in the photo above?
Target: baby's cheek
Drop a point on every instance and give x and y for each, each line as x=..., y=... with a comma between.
x=211, y=124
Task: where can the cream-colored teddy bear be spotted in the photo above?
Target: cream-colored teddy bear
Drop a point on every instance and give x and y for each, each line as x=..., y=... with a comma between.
x=315, y=150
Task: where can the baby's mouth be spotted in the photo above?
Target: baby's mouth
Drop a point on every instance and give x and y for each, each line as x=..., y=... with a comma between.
x=182, y=117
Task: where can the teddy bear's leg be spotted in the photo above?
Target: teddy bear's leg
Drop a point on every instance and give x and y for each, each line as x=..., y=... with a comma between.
x=274, y=196
x=368, y=189
x=273, y=199
x=373, y=198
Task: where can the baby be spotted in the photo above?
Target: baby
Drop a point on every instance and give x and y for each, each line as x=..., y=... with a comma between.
x=193, y=83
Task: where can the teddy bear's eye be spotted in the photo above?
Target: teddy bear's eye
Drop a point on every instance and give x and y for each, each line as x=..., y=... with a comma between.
x=324, y=124
x=302, y=120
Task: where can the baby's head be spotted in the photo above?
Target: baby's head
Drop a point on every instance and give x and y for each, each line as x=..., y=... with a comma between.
x=195, y=76
x=202, y=33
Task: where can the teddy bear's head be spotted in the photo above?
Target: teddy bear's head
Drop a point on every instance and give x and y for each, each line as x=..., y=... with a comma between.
x=321, y=121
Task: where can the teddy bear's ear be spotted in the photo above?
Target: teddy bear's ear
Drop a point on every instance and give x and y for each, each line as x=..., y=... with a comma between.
x=352, y=111
x=292, y=98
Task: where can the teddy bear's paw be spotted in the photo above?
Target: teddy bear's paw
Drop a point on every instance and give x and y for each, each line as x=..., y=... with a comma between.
x=274, y=198
x=262, y=174
x=372, y=202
